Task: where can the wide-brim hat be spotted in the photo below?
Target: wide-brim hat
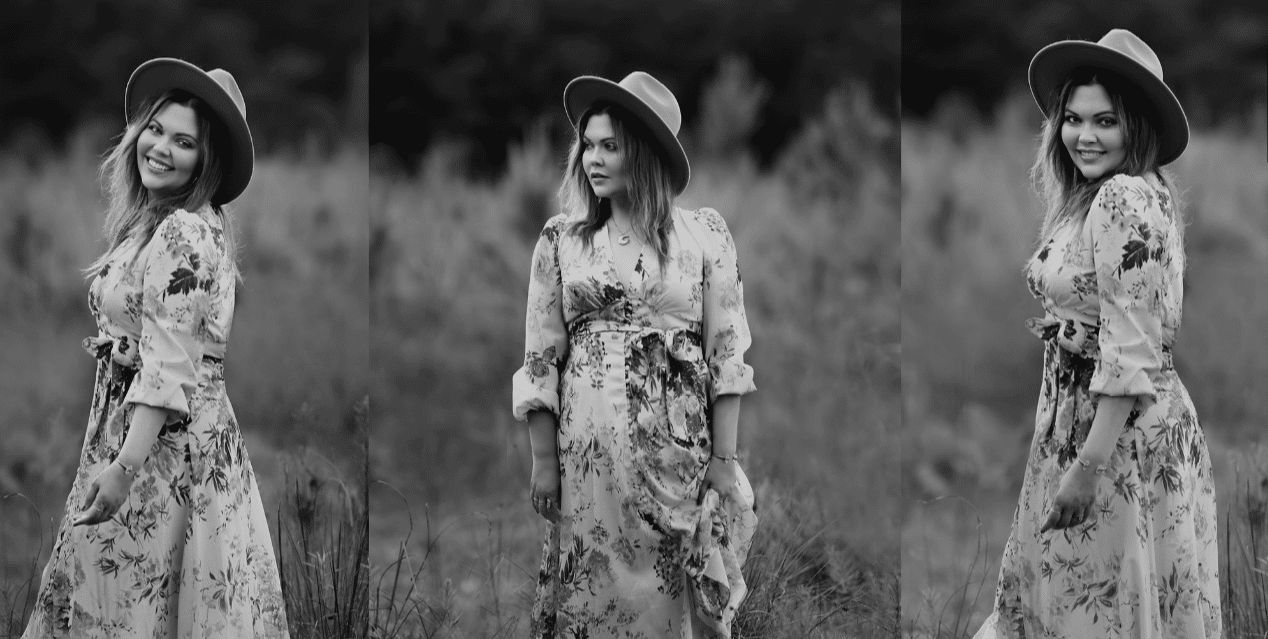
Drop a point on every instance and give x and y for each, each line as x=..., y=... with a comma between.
x=220, y=92
x=1122, y=52
x=648, y=100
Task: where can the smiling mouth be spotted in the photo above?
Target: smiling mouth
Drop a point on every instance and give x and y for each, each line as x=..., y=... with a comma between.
x=1090, y=156
x=156, y=166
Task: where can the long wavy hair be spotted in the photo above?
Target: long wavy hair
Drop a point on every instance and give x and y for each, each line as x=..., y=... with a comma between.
x=651, y=191
x=1066, y=194
x=133, y=212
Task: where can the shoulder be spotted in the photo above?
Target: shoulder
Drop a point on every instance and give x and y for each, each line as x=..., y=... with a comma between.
x=1123, y=193
x=555, y=228
x=184, y=232
x=707, y=220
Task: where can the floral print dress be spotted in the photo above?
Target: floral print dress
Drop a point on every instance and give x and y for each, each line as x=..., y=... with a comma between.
x=1145, y=563
x=188, y=554
x=631, y=369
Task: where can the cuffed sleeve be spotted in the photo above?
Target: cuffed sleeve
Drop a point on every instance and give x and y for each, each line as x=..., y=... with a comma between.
x=178, y=267
x=726, y=334
x=1129, y=250
x=536, y=384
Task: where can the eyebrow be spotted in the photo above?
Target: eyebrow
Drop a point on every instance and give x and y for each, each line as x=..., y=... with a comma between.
x=1100, y=113
x=590, y=139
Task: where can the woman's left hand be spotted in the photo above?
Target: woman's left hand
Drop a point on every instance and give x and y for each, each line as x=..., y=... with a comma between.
x=722, y=477
x=106, y=495
x=1075, y=498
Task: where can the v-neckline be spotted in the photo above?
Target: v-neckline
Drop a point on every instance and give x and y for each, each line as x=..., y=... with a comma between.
x=615, y=273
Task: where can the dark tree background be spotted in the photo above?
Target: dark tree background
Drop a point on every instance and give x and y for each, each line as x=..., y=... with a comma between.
x=481, y=72
x=300, y=63
x=1214, y=53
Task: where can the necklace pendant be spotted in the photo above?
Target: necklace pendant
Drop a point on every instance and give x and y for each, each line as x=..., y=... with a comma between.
x=623, y=240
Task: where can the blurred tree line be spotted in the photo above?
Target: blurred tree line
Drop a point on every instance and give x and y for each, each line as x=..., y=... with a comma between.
x=302, y=65
x=480, y=73
x=1214, y=53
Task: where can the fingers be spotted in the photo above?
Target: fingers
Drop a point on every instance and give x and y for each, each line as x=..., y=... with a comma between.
x=92, y=495
x=1054, y=516
x=547, y=506
x=99, y=511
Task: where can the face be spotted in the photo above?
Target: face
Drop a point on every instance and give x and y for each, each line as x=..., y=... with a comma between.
x=167, y=150
x=1092, y=133
x=602, y=157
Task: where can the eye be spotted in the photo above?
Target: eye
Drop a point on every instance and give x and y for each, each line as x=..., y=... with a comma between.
x=1071, y=119
x=1108, y=122
x=611, y=147
x=186, y=143
x=153, y=127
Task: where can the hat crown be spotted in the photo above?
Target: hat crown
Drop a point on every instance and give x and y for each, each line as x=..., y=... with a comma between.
x=230, y=86
x=1130, y=45
x=655, y=95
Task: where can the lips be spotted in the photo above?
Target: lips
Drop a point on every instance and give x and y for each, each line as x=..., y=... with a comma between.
x=1088, y=155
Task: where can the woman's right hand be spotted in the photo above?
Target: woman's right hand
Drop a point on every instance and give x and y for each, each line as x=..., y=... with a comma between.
x=544, y=488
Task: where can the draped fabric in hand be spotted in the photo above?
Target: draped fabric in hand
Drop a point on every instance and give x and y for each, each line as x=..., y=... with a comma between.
x=188, y=555
x=1145, y=563
x=631, y=369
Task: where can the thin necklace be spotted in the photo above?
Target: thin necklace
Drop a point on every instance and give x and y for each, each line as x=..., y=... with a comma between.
x=624, y=237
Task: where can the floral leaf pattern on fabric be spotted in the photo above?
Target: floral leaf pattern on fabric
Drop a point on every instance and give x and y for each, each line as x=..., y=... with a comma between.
x=189, y=553
x=632, y=370
x=1112, y=288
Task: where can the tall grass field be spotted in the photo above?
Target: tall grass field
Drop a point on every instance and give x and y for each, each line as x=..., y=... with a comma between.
x=297, y=366
x=970, y=369
x=456, y=545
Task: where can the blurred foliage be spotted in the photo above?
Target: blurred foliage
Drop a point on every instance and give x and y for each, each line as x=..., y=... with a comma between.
x=1212, y=51
x=301, y=64
x=484, y=71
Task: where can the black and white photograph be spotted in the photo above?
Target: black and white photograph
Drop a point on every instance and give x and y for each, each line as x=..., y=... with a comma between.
x=184, y=377
x=1078, y=178
x=668, y=319
x=635, y=305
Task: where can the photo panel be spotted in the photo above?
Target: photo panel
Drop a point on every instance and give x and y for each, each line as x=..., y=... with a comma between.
x=1001, y=416
x=200, y=394
x=518, y=347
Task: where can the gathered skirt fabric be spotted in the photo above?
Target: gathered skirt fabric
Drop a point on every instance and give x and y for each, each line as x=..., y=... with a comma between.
x=635, y=554
x=1145, y=564
x=188, y=555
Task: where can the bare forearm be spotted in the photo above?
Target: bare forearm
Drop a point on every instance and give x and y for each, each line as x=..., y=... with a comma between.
x=542, y=429
x=147, y=422
x=726, y=420
x=1107, y=425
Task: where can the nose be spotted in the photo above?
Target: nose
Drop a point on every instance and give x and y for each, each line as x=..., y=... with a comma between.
x=1086, y=134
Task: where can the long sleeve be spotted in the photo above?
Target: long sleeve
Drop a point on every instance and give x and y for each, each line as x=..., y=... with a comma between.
x=536, y=384
x=1129, y=250
x=726, y=334
x=177, y=270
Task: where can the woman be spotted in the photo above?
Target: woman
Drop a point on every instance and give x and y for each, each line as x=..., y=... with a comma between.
x=164, y=533
x=632, y=373
x=1115, y=532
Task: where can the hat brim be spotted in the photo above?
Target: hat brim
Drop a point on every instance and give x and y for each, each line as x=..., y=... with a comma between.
x=1054, y=62
x=587, y=89
x=157, y=76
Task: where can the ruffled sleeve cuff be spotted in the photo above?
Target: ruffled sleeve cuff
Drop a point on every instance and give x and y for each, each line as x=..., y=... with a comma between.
x=1112, y=379
x=731, y=377
x=530, y=393
x=165, y=385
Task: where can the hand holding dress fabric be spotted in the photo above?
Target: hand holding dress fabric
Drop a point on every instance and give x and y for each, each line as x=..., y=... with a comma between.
x=107, y=493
